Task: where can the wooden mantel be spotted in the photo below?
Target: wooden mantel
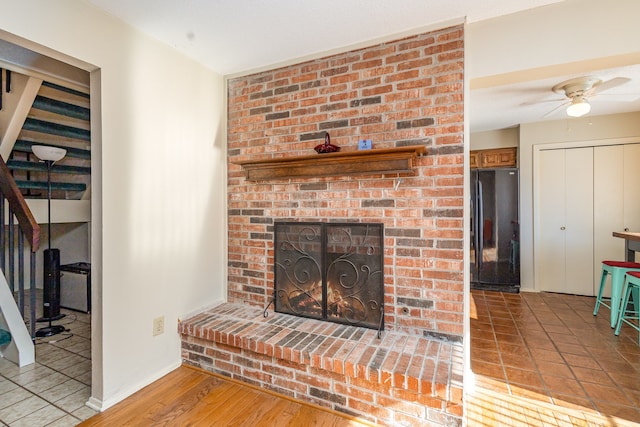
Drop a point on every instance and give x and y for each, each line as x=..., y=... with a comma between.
x=384, y=160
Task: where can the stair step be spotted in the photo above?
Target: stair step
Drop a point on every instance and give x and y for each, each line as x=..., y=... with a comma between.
x=47, y=116
x=66, y=89
x=5, y=337
x=69, y=98
x=43, y=185
x=36, y=125
x=25, y=146
x=62, y=108
x=24, y=165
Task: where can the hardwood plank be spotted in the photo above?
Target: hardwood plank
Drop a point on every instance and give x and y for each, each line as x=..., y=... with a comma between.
x=279, y=413
x=207, y=396
x=191, y=397
x=150, y=400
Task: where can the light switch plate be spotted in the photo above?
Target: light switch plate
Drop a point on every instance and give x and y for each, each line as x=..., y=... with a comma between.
x=158, y=326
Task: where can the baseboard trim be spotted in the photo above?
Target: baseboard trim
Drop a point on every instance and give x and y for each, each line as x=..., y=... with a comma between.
x=103, y=405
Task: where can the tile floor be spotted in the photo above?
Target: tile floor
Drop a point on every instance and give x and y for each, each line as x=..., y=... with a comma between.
x=53, y=391
x=545, y=360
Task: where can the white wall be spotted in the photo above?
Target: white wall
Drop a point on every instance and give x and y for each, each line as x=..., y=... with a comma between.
x=551, y=40
x=499, y=138
x=158, y=190
x=563, y=38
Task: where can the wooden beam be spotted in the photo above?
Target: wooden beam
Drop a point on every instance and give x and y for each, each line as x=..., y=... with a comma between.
x=379, y=161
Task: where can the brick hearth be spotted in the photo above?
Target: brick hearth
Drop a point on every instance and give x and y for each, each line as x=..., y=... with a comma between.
x=399, y=379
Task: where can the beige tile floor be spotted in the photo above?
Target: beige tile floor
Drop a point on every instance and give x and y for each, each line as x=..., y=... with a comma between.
x=545, y=360
x=53, y=391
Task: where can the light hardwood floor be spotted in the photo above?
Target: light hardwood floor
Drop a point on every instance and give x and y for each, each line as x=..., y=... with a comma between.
x=192, y=397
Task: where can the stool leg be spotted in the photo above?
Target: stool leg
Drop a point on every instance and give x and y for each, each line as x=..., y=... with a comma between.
x=603, y=281
x=616, y=293
x=625, y=302
x=635, y=293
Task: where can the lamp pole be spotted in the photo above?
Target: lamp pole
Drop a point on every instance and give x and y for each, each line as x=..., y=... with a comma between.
x=49, y=155
x=49, y=163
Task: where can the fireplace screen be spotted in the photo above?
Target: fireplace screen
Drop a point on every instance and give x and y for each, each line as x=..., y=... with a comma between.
x=330, y=271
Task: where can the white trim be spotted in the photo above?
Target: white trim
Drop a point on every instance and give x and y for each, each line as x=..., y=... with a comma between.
x=582, y=144
x=103, y=405
x=469, y=377
x=20, y=350
x=19, y=115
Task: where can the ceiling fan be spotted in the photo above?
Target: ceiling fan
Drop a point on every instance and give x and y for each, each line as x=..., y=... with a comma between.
x=578, y=91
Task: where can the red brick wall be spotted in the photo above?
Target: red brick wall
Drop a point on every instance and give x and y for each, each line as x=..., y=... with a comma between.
x=405, y=92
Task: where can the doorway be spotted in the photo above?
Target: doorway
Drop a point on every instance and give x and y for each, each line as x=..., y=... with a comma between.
x=81, y=223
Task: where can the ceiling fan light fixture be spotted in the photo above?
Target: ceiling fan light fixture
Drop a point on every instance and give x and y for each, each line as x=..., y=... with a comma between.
x=578, y=108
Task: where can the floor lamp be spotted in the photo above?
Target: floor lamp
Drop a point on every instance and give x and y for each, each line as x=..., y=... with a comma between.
x=51, y=257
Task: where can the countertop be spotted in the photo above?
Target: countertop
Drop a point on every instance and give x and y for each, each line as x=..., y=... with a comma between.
x=627, y=235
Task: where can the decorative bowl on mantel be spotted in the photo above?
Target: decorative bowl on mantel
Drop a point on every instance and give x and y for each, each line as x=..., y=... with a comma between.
x=327, y=147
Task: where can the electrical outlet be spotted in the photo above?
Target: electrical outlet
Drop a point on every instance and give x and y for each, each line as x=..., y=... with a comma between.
x=158, y=326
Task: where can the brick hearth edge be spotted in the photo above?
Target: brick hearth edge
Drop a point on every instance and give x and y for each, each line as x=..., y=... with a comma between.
x=397, y=379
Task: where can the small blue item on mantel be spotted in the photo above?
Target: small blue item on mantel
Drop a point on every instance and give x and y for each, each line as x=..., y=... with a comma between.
x=5, y=337
x=327, y=147
x=364, y=144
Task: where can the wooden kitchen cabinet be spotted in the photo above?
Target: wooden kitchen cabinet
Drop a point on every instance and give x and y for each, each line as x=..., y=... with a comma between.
x=494, y=158
x=474, y=157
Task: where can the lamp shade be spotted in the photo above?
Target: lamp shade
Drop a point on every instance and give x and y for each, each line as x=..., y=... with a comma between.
x=45, y=152
x=578, y=108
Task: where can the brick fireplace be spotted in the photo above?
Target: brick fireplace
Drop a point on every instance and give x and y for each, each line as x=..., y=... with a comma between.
x=403, y=93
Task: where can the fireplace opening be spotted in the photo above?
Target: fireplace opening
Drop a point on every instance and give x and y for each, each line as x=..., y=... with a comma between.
x=330, y=271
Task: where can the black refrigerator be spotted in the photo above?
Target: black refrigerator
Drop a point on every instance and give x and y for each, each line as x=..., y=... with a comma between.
x=495, y=233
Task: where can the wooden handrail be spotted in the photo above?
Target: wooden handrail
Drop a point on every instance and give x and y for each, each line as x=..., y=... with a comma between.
x=19, y=207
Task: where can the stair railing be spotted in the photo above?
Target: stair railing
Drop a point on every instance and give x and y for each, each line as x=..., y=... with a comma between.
x=7, y=84
x=28, y=230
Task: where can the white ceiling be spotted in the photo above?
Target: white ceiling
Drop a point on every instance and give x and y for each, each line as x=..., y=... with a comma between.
x=232, y=36
x=508, y=105
x=236, y=36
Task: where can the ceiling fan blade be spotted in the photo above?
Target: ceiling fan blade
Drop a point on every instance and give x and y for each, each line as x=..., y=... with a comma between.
x=620, y=97
x=609, y=84
x=543, y=101
x=550, y=113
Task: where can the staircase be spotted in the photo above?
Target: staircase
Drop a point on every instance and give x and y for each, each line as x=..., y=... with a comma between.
x=59, y=117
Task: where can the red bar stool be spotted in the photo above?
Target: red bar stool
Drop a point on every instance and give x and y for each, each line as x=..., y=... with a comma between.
x=630, y=317
x=617, y=270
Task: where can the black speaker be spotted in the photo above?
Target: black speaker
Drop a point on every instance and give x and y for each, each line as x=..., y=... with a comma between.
x=51, y=284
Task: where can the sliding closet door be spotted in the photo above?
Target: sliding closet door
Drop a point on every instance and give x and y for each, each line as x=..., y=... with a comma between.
x=616, y=185
x=550, y=271
x=565, y=255
x=631, y=187
x=608, y=210
x=579, y=208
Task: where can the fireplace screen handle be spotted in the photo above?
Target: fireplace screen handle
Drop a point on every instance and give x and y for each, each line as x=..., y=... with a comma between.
x=265, y=313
